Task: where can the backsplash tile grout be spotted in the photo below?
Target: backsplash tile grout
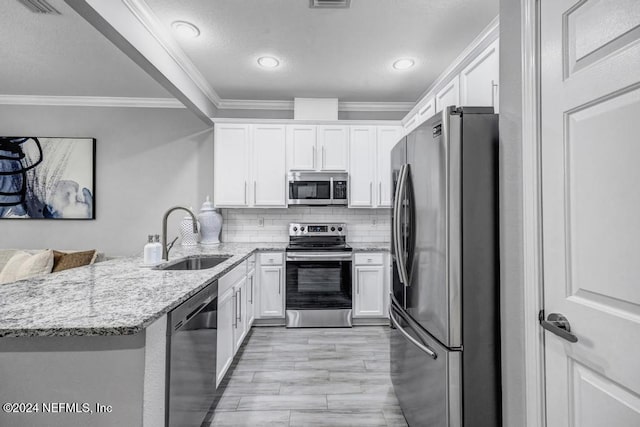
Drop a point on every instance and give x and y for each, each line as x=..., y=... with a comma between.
x=241, y=225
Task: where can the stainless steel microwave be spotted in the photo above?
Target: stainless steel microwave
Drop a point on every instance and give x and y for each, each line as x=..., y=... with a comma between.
x=318, y=188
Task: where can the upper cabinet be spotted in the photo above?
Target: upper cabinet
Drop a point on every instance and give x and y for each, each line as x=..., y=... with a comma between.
x=249, y=165
x=479, y=80
x=268, y=165
x=318, y=147
x=448, y=95
x=333, y=145
x=301, y=147
x=231, y=165
x=370, y=165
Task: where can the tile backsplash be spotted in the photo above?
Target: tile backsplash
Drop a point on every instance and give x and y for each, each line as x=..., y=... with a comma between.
x=363, y=225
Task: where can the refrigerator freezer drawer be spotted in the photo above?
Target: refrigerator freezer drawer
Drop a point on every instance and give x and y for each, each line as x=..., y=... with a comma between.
x=426, y=376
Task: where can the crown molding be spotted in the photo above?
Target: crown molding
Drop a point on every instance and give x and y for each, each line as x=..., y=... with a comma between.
x=90, y=101
x=254, y=104
x=144, y=14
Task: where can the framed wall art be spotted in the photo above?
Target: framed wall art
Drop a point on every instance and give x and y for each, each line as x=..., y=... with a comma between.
x=47, y=178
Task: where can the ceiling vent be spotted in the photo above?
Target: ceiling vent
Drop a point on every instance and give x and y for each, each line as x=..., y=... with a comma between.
x=40, y=6
x=330, y=4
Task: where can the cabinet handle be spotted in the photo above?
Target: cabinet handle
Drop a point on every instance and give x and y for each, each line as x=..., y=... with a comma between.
x=358, y=285
x=235, y=310
x=245, y=192
x=323, y=162
x=279, y=282
x=313, y=157
x=251, y=290
x=240, y=305
x=254, y=192
x=494, y=88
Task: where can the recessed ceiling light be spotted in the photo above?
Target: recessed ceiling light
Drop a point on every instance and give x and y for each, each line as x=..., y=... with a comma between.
x=268, y=62
x=185, y=29
x=403, y=64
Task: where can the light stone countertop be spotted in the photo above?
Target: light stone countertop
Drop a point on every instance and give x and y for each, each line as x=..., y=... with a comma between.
x=116, y=297
x=370, y=246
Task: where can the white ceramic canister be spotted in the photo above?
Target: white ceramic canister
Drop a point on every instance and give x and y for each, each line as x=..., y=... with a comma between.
x=210, y=224
x=189, y=238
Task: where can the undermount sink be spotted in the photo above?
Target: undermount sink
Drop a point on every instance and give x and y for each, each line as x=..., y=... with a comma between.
x=195, y=263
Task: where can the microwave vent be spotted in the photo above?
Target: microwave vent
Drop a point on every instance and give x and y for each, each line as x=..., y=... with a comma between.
x=330, y=4
x=40, y=6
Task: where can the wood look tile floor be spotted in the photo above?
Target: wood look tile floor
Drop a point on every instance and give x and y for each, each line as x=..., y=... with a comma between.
x=310, y=377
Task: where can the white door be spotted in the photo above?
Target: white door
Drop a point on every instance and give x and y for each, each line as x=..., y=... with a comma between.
x=448, y=95
x=362, y=172
x=301, y=147
x=590, y=65
x=269, y=169
x=230, y=165
x=369, y=284
x=251, y=279
x=226, y=322
x=271, y=292
x=333, y=143
x=479, y=80
x=388, y=137
x=240, y=329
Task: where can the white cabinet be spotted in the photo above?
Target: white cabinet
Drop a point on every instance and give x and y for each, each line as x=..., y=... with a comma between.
x=251, y=292
x=479, y=80
x=268, y=166
x=231, y=166
x=370, y=285
x=271, y=285
x=301, y=147
x=448, y=95
x=240, y=325
x=249, y=165
x=426, y=110
x=370, y=165
x=387, y=138
x=362, y=166
x=317, y=148
x=333, y=147
x=225, y=341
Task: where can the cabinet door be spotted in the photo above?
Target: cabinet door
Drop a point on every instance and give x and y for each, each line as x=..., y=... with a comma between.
x=333, y=142
x=271, y=292
x=301, y=147
x=240, y=328
x=479, y=80
x=251, y=283
x=269, y=166
x=226, y=322
x=448, y=95
x=362, y=148
x=230, y=165
x=369, y=292
x=388, y=137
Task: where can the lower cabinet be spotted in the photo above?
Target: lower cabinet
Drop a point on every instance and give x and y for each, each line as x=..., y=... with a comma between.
x=272, y=285
x=370, y=285
x=225, y=348
x=240, y=328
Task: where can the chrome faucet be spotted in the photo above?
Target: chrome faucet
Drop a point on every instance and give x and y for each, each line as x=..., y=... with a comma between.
x=165, y=249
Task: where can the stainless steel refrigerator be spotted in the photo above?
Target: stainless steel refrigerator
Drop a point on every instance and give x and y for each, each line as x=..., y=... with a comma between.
x=445, y=341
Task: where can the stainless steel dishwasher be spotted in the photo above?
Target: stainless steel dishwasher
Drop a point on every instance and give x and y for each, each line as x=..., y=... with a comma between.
x=191, y=358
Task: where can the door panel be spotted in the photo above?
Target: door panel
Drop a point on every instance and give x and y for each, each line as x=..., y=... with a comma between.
x=231, y=165
x=301, y=147
x=590, y=107
x=387, y=138
x=369, y=298
x=333, y=153
x=271, y=292
x=362, y=151
x=269, y=169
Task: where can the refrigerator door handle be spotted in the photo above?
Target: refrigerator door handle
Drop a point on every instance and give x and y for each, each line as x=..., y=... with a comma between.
x=400, y=249
x=414, y=341
x=396, y=221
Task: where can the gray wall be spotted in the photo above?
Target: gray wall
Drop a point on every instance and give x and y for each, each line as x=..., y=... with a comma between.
x=511, y=215
x=147, y=160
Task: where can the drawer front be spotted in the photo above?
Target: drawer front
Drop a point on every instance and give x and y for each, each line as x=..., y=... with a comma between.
x=232, y=277
x=271, y=258
x=369, y=258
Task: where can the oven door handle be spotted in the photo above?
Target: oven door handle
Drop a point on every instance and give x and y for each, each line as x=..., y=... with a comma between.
x=324, y=257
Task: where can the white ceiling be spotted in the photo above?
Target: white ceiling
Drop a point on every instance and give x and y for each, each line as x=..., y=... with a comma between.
x=343, y=53
x=64, y=55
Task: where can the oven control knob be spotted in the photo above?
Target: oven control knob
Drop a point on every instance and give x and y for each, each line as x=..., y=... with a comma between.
x=333, y=229
x=295, y=228
x=339, y=228
x=301, y=228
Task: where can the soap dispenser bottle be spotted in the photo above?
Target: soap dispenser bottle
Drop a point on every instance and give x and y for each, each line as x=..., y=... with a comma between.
x=149, y=251
x=157, y=247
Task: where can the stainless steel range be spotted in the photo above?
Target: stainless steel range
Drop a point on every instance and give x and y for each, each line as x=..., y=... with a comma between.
x=318, y=276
